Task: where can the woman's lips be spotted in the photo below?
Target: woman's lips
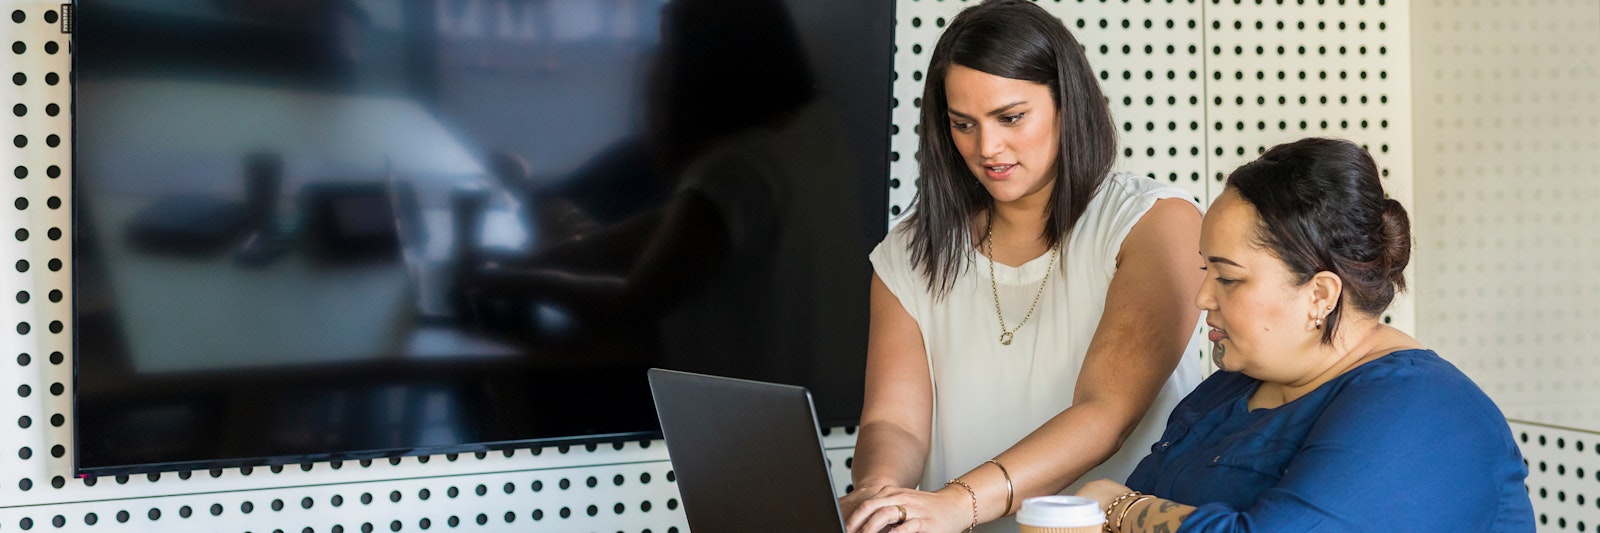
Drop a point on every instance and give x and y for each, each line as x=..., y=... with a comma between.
x=1217, y=334
x=999, y=172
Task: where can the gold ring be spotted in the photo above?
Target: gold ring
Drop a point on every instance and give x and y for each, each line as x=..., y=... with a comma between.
x=902, y=509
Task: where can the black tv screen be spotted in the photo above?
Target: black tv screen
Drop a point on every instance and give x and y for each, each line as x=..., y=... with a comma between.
x=340, y=229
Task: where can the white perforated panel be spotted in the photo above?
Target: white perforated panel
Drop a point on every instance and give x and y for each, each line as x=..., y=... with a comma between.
x=1508, y=128
x=1563, y=475
x=1508, y=247
x=1280, y=71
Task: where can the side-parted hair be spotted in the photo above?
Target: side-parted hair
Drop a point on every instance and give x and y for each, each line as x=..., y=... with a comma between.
x=1019, y=40
x=1322, y=209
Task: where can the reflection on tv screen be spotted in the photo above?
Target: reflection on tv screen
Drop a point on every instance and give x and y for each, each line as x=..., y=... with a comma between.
x=356, y=228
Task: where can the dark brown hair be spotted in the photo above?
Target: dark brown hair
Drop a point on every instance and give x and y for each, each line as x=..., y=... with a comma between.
x=1019, y=40
x=1322, y=209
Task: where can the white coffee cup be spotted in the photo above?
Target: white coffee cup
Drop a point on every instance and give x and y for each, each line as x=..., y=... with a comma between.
x=1060, y=514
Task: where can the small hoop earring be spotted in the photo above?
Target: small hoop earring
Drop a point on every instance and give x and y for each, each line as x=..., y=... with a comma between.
x=1318, y=323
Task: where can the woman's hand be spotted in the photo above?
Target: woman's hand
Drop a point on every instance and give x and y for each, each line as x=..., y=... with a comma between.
x=945, y=511
x=852, y=501
x=1103, y=491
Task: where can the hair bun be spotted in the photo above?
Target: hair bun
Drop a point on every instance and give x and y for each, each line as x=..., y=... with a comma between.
x=1396, y=231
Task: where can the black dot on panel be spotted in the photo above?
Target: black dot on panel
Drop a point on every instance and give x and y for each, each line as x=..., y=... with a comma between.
x=154, y=514
x=50, y=109
x=453, y=521
x=510, y=517
x=25, y=485
x=481, y=489
x=91, y=519
x=394, y=496
x=452, y=492
x=123, y=516
x=19, y=78
x=58, y=451
x=58, y=482
x=185, y=512
x=366, y=498
x=19, y=48
x=21, y=141
x=52, y=78
x=482, y=519
x=366, y=527
x=424, y=523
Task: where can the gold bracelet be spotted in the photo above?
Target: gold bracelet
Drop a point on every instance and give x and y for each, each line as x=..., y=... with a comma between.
x=1111, y=507
x=1129, y=507
x=974, y=496
x=1010, y=491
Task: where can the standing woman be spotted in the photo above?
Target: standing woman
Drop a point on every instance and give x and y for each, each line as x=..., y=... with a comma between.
x=1033, y=308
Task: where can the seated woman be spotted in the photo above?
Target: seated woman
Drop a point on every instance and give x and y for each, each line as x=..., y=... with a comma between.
x=1321, y=418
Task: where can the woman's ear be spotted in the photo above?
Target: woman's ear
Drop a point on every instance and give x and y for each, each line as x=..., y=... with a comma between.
x=1326, y=287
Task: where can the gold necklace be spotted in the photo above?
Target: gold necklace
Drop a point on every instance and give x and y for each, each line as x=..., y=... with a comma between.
x=1005, y=334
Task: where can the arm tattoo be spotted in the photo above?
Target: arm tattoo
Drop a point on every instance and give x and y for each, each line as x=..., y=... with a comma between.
x=1142, y=515
x=1162, y=528
x=1168, y=505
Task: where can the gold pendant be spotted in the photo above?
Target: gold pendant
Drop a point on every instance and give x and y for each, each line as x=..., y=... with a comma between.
x=1005, y=338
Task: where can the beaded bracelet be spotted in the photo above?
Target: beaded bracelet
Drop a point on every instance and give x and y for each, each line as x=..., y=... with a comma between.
x=974, y=496
x=1010, y=491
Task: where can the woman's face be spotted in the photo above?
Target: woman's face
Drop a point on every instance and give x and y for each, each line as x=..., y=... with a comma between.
x=1261, y=320
x=1006, y=130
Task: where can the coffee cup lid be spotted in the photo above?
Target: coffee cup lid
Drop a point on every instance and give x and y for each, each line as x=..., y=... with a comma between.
x=1060, y=511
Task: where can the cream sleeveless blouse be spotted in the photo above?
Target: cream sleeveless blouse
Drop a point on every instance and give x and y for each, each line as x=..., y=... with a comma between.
x=987, y=396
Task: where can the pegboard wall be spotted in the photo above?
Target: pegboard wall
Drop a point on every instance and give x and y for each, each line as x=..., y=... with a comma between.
x=1197, y=88
x=1563, y=475
x=1508, y=165
x=1508, y=237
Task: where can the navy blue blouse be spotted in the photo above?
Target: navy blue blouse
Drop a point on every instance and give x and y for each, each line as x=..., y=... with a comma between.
x=1405, y=442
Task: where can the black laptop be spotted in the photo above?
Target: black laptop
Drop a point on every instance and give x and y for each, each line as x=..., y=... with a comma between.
x=748, y=455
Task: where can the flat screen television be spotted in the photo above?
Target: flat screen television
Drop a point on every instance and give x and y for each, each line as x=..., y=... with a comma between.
x=346, y=229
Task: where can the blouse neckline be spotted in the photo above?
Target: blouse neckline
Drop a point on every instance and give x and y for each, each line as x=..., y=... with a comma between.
x=1026, y=273
x=1255, y=385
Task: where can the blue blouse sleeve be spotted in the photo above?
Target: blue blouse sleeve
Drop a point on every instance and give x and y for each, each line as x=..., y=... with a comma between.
x=1392, y=453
